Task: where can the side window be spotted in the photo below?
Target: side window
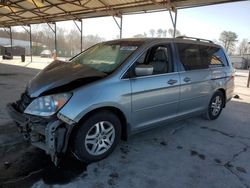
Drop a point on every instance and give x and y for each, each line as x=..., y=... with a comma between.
x=216, y=57
x=191, y=56
x=158, y=57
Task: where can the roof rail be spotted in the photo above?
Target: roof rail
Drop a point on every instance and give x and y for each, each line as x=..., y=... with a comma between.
x=193, y=38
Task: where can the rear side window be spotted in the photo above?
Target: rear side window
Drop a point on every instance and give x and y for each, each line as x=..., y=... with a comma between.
x=190, y=56
x=195, y=56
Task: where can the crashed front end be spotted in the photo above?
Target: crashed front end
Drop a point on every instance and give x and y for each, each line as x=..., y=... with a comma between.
x=41, y=125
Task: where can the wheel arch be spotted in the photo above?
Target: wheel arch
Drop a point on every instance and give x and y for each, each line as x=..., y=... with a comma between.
x=114, y=110
x=223, y=91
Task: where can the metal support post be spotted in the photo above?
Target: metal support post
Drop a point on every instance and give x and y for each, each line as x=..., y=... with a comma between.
x=31, y=47
x=81, y=35
x=174, y=21
x=54, y=31
x=10, y=35
x=11, y=43
x=248, y=80
x=79, y=29
x=55, y=39
x=30, y=35
x=119, y=25
x=248, y=62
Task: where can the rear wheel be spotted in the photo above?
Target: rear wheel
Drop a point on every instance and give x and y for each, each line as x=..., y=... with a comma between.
x=215, y=106
x=97, y=137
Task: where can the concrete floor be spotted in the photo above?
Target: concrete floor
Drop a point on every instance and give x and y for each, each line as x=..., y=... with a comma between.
x=189, y=153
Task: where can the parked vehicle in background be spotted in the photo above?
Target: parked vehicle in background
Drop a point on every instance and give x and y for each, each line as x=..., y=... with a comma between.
x=46, y=53
x=239, y=62
x=1, y=50
x=118, y=88
x=9, y=51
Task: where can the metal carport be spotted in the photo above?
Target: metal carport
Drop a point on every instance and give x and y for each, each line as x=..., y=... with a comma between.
x=26, y=12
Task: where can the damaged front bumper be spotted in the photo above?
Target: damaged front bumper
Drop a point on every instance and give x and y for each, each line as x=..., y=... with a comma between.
x=50, y=134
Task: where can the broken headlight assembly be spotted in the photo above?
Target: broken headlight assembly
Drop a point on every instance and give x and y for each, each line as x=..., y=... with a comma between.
x=47, y=105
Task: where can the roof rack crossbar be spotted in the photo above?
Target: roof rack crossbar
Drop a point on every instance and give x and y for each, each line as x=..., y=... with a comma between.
x=198, y=39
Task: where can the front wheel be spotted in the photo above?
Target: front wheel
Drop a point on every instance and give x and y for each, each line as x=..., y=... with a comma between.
x=215, y=106
x=97, y=137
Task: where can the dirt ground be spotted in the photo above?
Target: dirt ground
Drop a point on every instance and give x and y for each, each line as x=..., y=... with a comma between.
x=189, y=153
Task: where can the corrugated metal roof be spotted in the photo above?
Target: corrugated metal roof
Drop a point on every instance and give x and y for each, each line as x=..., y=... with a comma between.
x=24, y=12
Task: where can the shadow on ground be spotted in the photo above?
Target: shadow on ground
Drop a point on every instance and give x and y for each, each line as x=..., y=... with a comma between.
x=21, y=165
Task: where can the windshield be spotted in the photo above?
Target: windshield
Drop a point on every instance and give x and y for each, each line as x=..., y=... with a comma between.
x=105, y=57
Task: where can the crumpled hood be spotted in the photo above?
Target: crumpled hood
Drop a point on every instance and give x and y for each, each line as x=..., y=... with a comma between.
x=62, y=76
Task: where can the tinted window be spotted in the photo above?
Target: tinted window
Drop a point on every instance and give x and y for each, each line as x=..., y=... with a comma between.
x=195, y=56
x=158, y=57
x=190, y=56
x=215, y=56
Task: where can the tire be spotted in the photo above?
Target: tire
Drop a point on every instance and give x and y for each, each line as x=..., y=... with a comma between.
x=97, y=137
x=215, y=106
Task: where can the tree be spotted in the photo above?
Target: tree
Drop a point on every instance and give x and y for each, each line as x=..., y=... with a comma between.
x=152, y=32
x=244, y=47
x=178, y=33
x=164, y=33
x=41, y=33
x=62, y=43
x=171, y=32
x=228, y=40
x=68, y=42
x=73, y=41
x=159, y=32
x=90, y=40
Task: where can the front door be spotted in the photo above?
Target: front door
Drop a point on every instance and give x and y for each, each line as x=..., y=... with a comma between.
x=155, y=97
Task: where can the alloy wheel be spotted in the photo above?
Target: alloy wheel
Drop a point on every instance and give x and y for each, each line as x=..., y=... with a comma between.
x=100, y=138
x=216, y=105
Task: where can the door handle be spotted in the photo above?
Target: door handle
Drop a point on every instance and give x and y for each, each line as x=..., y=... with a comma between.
x=187, y=79
x=172, y=82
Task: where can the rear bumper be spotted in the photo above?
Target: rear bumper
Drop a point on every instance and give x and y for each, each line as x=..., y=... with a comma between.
x=229, y=93
x=51, y=135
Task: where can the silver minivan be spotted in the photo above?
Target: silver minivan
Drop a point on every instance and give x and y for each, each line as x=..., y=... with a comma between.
x=118, y=88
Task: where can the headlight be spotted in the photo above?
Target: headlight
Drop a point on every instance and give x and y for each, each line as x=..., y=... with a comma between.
x=47, y=105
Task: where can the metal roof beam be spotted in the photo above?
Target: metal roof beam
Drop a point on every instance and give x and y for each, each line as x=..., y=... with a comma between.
x=67, y=13
x=166, y=4
x=34, y=12
x=103, y=8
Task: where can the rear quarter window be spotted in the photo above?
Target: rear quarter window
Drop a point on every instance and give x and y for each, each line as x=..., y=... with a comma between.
x=190, y=56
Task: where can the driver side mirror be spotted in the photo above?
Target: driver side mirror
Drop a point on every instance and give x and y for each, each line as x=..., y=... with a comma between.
x=144, y=70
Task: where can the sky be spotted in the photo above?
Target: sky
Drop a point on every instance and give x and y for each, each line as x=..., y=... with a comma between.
x=203, y=22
